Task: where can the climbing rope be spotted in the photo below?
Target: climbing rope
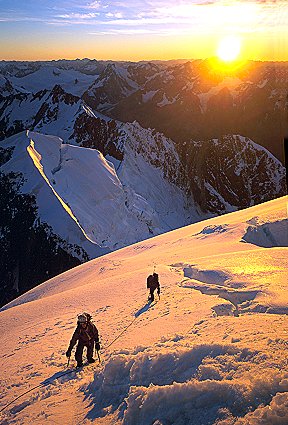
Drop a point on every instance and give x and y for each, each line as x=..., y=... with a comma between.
x=124, y=330
x=67, y=372
x=21, y=395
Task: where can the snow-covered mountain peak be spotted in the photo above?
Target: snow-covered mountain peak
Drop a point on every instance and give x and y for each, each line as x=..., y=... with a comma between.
x=59, y=163
x=58, y=94
x=47, y=75
x=111, y=211
x=112, y=85
x=3, y=81
x=6, y=88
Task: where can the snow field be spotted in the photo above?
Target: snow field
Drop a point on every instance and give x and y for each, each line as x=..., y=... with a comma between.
x=48, y=76
x=178, y=381
x=177, y=361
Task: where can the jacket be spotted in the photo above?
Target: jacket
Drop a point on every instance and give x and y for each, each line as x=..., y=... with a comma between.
x=84, y=336
x=153, y=282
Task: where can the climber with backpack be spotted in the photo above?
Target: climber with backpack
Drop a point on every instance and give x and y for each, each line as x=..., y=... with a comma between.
x=152, y=284
x=86, y=334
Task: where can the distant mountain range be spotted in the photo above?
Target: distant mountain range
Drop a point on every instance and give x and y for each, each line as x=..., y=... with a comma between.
x=119, y=152
x=183, y=100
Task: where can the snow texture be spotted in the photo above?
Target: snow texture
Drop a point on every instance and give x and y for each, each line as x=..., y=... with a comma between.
x=212, y=350
x=47, y=77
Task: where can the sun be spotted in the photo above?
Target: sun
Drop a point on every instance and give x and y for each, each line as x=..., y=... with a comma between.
x=229, y=48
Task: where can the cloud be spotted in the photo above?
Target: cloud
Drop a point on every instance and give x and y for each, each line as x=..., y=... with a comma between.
x=93, y=5
x=144, y=21
x=147, y=16
x=117, y=15
x=142, y=31
x=242, y=14
x=77, y=16
x=126, y=31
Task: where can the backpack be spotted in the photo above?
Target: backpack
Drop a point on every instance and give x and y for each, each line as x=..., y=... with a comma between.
x=156, y=278
x=150, y=281
x=89, y=317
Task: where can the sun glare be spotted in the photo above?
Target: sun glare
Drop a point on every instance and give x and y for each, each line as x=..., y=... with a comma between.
x=229, y=48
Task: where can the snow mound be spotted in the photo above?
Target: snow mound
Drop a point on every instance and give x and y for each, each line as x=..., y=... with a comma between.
x=207, y=276
x=207, y=230
x=185, y=385
x=268, y=235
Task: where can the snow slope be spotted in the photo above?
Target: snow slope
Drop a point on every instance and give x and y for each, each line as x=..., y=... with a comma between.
x=46, y=77
x=212, y=350
x=90, y=191
x=112, y=203
x=50, y=209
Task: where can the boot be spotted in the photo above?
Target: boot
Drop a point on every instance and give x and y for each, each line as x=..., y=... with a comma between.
x=79, y=364
x=91, y=360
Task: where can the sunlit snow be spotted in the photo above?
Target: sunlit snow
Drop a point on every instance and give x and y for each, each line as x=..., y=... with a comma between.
x=212, y=350
x=111, y=211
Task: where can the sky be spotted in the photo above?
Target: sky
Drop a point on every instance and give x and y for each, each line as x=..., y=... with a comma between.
x=141, y=30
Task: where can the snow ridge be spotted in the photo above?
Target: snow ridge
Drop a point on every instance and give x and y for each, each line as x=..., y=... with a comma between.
x=96, y=207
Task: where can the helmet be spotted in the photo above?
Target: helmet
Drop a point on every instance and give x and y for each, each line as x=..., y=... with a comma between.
x=82, y=318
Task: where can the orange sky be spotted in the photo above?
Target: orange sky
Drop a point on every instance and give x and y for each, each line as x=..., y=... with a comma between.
x=141, y=30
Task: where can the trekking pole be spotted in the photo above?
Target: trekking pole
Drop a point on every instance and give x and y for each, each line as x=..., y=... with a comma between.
x=68, y=362
x=98, y=356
